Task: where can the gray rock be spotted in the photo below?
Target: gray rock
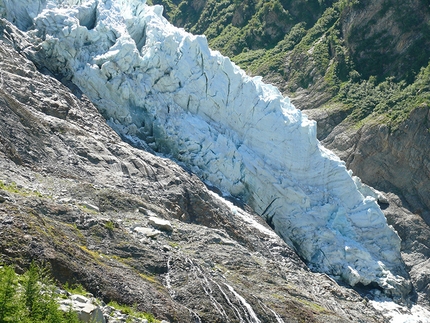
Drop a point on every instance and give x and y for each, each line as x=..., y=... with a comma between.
x=390, y=160
x=414, y=233
x=148, y=232
x=86, y=310
x=160, y=224
x=90, y=313
x=79, y=299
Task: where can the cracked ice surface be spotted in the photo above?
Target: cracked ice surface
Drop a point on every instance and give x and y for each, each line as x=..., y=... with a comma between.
x=162, y=85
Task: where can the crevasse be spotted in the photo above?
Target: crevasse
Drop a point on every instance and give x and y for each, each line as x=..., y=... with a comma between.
x=164, y=86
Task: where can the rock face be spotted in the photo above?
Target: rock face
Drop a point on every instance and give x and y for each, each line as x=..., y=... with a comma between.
x=160, y=84
x=371, y=27
x=415, y=244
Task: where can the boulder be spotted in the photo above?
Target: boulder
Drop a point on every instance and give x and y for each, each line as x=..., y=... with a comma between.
x=150, y=233
x=160, y=224
x=86, y=310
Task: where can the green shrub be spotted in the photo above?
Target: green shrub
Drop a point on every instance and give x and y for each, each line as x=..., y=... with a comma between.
x=110, y=226
x=390, y=98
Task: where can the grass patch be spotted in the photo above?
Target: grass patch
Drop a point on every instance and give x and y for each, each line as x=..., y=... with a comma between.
x=75, y=289
x=132, y=311
x=76, y=230
x=109, y=225
x=173, y=244
x=314, y=306
x=94, y=254
x=14, y=189
x=148, y=278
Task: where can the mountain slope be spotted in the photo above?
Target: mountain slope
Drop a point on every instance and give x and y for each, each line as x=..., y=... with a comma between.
x=372, y=38
x=75, y=196
x=87, y=23
x=157, y=83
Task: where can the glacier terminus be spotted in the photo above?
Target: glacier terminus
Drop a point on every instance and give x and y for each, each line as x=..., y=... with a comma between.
x=163, y=88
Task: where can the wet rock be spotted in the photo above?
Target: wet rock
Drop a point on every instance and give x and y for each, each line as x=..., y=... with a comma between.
x=3, y=198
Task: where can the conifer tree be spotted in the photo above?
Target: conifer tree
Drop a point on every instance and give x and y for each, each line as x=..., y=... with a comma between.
x=30, y=298
x=8, y=290
x=39, y=296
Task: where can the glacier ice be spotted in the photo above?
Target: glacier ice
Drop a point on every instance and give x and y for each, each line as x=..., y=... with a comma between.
x=164, y=86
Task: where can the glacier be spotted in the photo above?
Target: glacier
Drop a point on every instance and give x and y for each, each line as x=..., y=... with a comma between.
x=163, y=87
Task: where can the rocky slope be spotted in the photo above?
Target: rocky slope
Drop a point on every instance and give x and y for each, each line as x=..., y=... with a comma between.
x=74, y=195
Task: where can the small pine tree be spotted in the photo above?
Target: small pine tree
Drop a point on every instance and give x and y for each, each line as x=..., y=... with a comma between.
x=8, y=289
x=39, y=296
x=31, y=289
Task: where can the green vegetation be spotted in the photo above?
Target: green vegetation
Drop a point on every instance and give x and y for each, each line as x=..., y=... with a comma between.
x=173, y=244
x=392, y=100
x=30, y=297
x=315, y=307
x=94, y=254
x=75, y=289
x=132, y=311
x=110, y=226
x=14, y=189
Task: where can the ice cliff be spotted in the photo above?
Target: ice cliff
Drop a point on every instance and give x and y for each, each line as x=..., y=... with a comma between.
x=158, y=84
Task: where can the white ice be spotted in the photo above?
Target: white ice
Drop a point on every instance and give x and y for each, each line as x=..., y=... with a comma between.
x=396, y=313
x=159, y=84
